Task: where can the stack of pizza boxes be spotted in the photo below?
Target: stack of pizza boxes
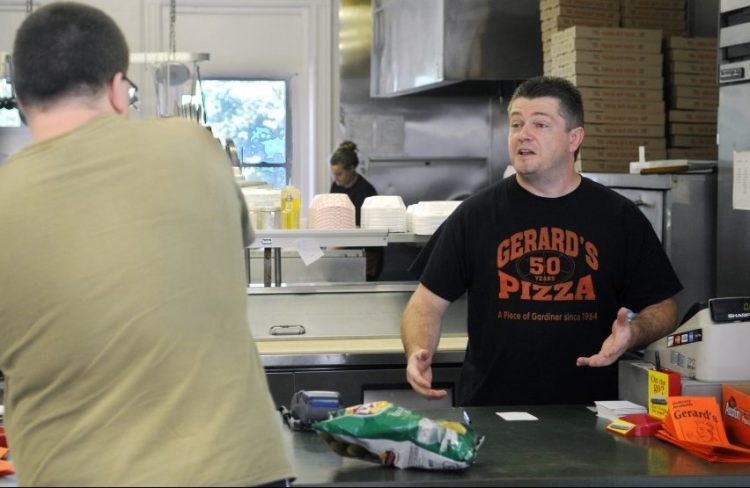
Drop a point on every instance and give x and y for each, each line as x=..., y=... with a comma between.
x=668, y=16
x=557, y=15
x=619, y=74
x=692, y=97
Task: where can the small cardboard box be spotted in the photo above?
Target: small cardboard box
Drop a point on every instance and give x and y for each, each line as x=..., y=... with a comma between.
x=625, y=94
x=703, y=43
x=606, y=69
x=628, y=143
x=735, y=411
x=652, y=36
x=562, y=43
x=635, y=83
x=603, y=4
x=583, y=12
x=617, y=130
x=611, y=57
x=697, y=116
x=626, y=118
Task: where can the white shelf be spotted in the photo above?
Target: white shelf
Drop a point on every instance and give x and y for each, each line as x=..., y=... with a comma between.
x=407, y=237
x=278, y=238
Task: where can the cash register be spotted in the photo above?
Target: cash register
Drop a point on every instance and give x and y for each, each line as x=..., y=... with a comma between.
x=711, y=346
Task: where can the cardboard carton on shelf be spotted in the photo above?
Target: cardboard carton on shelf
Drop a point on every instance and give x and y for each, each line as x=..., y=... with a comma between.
x=613, y=33
x=694, y=80
x=692, y=67
x=692, y=141
x=617, y=130
x=608, y=105
x=624, y=94
x=698, y=116
x=605, y=69
x=602, y=4
x=686, y=103
x=676, y=128
x=693, y=153
x=611, y=57
x=711, y=92
x=600, y=81
x=694, y=55
x=601, y=166
x=561, y=43
x=673, y=4
x=630, y=143
x=626, y=118
x=611, y=15
x=653, y=12
x=693, y=43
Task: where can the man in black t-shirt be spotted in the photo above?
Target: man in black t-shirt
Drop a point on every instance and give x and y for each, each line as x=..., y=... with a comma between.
x=552, y=263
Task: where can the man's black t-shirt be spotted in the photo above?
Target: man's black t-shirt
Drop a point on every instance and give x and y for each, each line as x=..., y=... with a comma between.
x=357, y=193
x=545, y=278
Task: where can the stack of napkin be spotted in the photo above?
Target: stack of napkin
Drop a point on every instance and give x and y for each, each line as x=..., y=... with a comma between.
x=695, y=424
x=615, y=409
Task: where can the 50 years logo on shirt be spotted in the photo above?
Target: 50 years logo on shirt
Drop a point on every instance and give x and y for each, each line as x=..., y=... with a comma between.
x=545, y=265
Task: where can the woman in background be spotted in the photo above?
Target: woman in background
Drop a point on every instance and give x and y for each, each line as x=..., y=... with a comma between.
x=344, y=162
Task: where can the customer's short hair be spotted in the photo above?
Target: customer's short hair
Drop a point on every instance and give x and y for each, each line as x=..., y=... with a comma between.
x=66, y=49
x=571, y=105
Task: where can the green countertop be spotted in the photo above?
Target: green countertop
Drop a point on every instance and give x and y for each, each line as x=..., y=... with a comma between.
x=567, y=446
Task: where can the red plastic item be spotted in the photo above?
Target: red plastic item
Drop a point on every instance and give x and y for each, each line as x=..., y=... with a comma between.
x=645, y=425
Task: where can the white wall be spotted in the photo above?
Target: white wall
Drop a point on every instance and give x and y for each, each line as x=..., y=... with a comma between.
x=291, y=38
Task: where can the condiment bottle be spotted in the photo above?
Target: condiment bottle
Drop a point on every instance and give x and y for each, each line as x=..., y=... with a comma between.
x=290, y=197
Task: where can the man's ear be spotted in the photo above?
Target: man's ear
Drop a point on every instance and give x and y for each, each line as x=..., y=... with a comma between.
x=575, y=139
x=117, y=94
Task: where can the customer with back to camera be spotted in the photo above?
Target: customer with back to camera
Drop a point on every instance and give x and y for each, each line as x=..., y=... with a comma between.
x=346, y=179
x=551, y=262
x=125, y=345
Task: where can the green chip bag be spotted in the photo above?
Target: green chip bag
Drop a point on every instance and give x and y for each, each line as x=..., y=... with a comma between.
x=394, y=436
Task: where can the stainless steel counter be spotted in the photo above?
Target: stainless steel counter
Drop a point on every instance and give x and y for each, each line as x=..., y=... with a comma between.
x=567, y=446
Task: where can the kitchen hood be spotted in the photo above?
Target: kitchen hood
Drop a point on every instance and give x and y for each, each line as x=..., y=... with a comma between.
x=419, y=45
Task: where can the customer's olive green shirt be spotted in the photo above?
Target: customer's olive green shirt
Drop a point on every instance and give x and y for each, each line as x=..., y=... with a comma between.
x=123, y=331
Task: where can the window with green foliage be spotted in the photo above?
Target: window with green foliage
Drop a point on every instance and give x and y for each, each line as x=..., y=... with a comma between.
x=254, y=114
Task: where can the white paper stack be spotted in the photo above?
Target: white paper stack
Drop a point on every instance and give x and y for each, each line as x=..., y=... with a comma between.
x=614, y=409
x=425, y=217
x=331, y=211
x=384, y=212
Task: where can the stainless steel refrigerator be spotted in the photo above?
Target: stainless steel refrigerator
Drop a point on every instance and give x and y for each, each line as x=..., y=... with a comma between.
x=733, y=224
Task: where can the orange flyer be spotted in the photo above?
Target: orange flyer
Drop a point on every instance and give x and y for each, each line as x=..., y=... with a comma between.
x=695, y=424
x=5, y=466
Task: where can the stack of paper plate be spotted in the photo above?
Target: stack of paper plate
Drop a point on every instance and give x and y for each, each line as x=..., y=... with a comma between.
x=425, y=217
x=331, y=211
x=384, y=212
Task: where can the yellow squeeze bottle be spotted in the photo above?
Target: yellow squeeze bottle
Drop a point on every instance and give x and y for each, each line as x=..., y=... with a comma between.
x=290, y=207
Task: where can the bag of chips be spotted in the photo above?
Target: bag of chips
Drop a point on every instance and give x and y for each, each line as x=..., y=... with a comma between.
x=394, y=436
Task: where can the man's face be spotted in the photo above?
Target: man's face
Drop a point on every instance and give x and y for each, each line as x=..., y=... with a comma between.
x=538, y=139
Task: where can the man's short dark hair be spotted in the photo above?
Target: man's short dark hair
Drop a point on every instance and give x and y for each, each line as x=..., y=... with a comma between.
x=66, y=49
x=571, y=105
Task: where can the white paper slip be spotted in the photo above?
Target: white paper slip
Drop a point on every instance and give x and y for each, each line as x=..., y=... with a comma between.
x=511, y=416
x=308, y=250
